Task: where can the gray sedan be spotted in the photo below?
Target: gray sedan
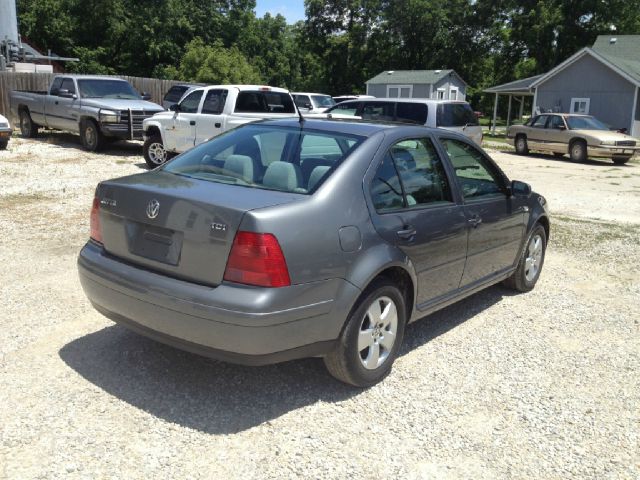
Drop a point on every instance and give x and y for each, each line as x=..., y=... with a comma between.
x=287, y=239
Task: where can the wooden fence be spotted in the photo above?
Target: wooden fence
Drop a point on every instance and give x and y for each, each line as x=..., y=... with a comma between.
x=40, y=81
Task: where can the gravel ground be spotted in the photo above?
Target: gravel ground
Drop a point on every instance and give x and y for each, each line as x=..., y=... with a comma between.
x=540, y=385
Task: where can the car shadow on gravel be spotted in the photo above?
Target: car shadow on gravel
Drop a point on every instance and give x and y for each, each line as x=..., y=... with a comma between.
x=220, y=398
x=117, y=148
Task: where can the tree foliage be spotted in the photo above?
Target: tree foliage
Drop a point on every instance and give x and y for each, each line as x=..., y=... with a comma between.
x=339, y=45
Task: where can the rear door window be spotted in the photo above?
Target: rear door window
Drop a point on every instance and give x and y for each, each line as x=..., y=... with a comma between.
x=264, y=101
x=302, y=101
x=455, y=115
x=540, y=121
x=383, y=111
x=55, y=86
x=412, y=113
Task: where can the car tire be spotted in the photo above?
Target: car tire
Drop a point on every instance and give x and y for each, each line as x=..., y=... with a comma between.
x=531, y=261
x=3, y=145
x=154, y=151
x=91, y=136
x=620, y=160
x=522, y=147
x=28, y=129
x=578, y=151
x=371, y=338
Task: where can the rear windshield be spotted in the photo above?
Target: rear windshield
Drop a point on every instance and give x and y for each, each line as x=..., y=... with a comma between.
x=262, y=101
x=267, y=157
x=175, y=94
x=455, y=115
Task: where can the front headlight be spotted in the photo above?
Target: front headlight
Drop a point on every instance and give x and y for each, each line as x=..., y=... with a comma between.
x=608, y=142
x=109, y=116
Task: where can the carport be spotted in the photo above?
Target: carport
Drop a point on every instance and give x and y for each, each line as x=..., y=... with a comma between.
x=518, y=89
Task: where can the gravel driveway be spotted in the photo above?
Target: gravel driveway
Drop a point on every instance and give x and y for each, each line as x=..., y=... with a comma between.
x=537, y=385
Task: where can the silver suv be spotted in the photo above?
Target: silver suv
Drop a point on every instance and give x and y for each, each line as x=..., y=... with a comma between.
x=452, y=115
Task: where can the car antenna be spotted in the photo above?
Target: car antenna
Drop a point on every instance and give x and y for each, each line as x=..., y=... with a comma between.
x=300, y=117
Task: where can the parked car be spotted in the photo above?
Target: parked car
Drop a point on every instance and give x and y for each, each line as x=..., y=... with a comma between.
x=95, y=107
x=209, y=111
x=449, y=114
x=344, y=98
x=312, y=102
x=581, y=136
x=325, y=240
x=5, y=132
x=175, y=93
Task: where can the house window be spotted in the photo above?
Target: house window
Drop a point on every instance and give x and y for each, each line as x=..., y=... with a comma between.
x=440, y=93
x=580, y=105
x=453, y=93
x=399, y=91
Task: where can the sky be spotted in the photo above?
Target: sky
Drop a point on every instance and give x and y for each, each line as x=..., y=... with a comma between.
x=292, y=10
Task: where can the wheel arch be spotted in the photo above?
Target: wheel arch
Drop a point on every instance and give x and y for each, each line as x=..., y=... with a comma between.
x=151, y=127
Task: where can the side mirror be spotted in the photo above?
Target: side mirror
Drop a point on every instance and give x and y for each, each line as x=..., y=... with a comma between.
x=64, y=93
x=520, y=189
x=146, y=96
x=175, y=107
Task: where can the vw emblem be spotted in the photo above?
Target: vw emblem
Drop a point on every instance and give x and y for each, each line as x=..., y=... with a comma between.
x=153, y=208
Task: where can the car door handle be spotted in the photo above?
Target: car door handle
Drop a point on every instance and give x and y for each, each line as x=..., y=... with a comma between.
x=192, y=122
x=218, y=125
x=475, y=221
x=407, y=232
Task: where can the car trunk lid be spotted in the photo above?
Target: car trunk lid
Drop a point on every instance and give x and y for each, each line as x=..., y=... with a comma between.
x=177, y=225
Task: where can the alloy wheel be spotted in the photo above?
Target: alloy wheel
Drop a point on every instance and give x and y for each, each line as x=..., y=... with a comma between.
x=157, y=153
x=533, y=260
x=378, y=331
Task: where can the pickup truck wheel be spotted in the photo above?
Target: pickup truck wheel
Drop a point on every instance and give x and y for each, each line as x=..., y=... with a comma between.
x=3, y=145
x=154, y=151
x=372, y=337
x=620, y=160
x=91, y=136
x=578, y=151
x=27, y=127
x=530, y=263
x=522, y=148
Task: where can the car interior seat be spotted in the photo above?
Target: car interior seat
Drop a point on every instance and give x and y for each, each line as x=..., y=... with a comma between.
x=283, y=176
x=317, y=174
x=241, y=165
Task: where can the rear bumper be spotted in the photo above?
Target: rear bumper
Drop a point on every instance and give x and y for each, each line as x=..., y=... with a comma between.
x=231, y=322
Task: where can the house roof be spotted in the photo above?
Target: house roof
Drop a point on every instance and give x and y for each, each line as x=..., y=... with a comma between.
x=410, y=77
x=517, y=87
x=622, y=56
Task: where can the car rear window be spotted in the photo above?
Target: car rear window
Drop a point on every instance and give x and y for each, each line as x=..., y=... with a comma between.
x=455, y=115
x=267, y=157
x=175, y=94
x=264, y=101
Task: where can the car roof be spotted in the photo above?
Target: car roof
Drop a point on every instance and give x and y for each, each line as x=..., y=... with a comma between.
x=348, y=126
x=403, y=100
x=310, y=93
x=242, y=88
x=90, y=77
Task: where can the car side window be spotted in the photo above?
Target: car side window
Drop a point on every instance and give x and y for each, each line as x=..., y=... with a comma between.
x=67, y=84
x=475, y=174
x=422, y=174
x=214, y=102
x=349, y=108
x=378, y=111
x=302, y=101
x=191, y=102
x=540, y=121
x=556, y=122
x=386, y=191
x=55, y=86
x=410, y=175
x=412, y=113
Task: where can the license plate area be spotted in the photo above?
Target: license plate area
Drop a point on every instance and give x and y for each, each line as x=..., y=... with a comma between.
x=155, y=243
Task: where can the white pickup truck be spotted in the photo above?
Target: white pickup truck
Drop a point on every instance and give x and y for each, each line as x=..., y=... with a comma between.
x=208, y=111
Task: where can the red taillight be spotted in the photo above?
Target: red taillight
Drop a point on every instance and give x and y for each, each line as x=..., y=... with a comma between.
x=257, y=259
x=96, y=230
